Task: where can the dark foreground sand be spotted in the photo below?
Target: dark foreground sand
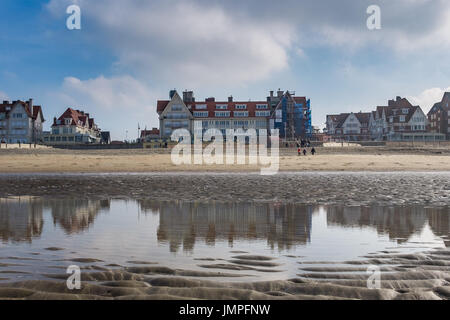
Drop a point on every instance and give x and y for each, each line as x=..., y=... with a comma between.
x=362, y=188
x=407, y=276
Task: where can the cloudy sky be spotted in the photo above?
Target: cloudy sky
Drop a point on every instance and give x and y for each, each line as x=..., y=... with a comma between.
x=130, y=53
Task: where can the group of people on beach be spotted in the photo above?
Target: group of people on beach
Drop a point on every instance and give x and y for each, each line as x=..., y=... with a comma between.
x=302, y=147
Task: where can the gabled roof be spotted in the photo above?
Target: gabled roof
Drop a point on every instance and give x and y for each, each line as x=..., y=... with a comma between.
x=436, y=107
x=162, y=104
x=77, y=118
x=341, y=119
x=363, y=117
x=32, y=111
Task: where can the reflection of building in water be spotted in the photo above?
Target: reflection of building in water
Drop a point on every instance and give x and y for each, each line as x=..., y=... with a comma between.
x=398, y=222
x=439, y=219
x=75, y=215
x=20, y=219
x=185, y=223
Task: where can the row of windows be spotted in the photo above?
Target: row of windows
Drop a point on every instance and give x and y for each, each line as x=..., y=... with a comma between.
x=241, y=113
x=177, y=116
x=205, y=114
x=64, y=138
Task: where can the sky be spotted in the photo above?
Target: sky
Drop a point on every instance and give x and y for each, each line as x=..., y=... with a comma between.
x=130, y=53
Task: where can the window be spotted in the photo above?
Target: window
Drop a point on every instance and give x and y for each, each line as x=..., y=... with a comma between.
x=177, y=108
x=241, y=113
x=55, y=131
x=200, y=106
x=221, y=107
x=222, y=113
x=67, y=121
x=261, y=106
x=262, y=113
x=201, y=114
x=402, y=119
x=241, y=106
x=405, y=111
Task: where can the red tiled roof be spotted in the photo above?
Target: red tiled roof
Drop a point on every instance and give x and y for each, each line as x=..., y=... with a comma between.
x=145, y=133
x=78, y=117
x=162, y=104
x=363, y=117
x=26, y=105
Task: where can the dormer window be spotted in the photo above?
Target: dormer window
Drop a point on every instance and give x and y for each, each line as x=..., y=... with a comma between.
x=221, y=107
x=67, y=121
x=405, y=111
x=241, y=106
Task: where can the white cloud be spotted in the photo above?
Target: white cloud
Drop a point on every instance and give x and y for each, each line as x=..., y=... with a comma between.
x=428, y=98
x=187, y=41
x=116, y=102
x=3, y=96
x=124, y=92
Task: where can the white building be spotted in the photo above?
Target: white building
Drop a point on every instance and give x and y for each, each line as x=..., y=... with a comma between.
x=20, y=122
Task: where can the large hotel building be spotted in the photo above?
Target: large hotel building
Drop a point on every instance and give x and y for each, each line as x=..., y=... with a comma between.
x=283, y=111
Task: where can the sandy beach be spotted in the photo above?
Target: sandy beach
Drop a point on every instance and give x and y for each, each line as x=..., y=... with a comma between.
x=356, y=177
x=378, y=159
x=414, y=276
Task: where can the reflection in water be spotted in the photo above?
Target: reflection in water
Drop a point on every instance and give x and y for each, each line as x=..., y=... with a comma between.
x=400, y=223
x=21, y=218
x=75, y=215
x=183, y=224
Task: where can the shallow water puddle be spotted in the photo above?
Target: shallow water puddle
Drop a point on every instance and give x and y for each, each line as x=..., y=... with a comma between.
x=255, y=241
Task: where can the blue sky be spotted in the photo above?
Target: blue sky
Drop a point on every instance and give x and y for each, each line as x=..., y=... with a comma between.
x=130, y=53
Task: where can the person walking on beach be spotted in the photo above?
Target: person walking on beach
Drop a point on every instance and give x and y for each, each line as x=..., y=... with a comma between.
x=304, y=151
x=299, y=151
x=313, y=151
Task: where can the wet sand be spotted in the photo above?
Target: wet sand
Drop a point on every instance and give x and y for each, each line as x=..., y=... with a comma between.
x=347, y=188
x=328, y=159
x=403, y=276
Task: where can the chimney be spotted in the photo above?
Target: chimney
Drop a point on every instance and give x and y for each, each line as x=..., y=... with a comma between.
x=210, y=99
x=188, y=96
x=30, y=104
x=399, y=98
x=5, y=102
x=230, y=99
x=279, y=93
x=271, y=93
x=172, y=93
